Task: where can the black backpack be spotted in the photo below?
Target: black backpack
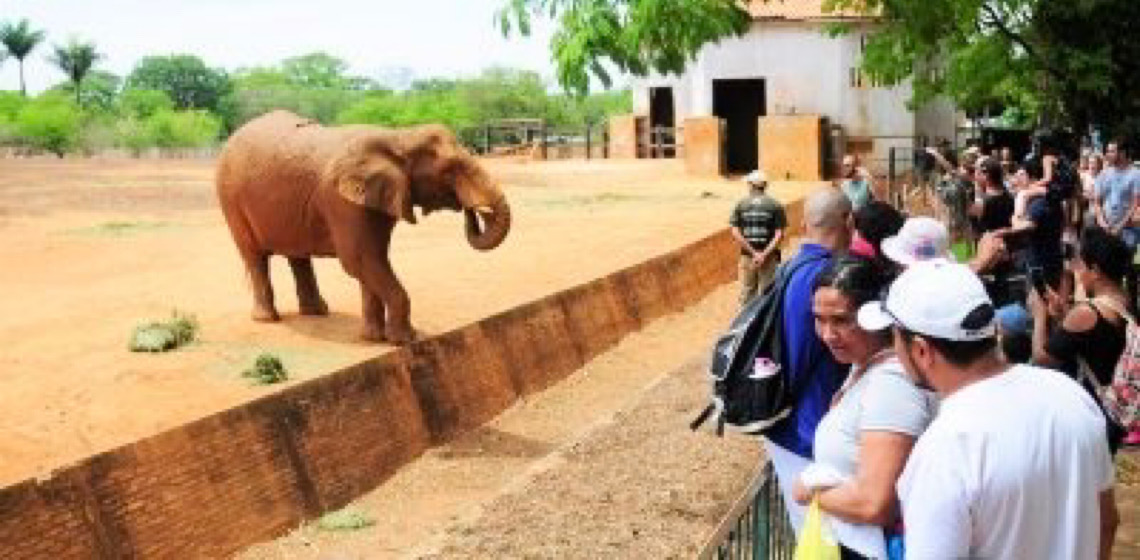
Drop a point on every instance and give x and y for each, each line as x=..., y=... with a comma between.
x=745, y=398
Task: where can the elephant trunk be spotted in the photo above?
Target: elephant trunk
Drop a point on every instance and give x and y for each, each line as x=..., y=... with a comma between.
x=496, y=224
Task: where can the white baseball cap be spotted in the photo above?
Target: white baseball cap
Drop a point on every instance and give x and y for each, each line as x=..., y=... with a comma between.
x=757, y=177
x=921, y=239
x=936, y=298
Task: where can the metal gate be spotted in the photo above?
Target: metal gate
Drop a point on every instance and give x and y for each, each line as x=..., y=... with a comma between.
x=757, y=527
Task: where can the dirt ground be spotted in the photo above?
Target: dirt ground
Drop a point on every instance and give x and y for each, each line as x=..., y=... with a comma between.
x=95, y=247
x=602, y=465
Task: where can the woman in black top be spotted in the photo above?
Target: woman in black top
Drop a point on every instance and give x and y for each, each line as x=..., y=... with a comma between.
x=1091, y=335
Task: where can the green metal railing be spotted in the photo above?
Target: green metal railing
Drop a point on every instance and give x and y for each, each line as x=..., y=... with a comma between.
x=757, y=526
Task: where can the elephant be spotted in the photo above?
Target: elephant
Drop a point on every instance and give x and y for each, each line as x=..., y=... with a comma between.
x=289, y=186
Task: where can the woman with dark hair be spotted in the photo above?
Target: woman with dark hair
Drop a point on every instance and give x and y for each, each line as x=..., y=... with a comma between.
x=873, y=223
x=1090, y=336
x=863, y=441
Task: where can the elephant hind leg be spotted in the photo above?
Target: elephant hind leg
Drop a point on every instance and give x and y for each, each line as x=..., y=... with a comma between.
x=308, y=294
x=258, y=267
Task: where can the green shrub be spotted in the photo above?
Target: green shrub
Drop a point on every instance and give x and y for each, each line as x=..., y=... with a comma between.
x=162, y=336
x=142, y=103
x=50, y=122
x=183, y=129
x=345, y=520
x=267, y=369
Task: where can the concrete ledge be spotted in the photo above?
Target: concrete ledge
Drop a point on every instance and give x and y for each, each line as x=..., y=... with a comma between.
x=211, y=487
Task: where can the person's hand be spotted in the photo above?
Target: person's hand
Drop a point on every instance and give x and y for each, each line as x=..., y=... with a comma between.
x=1055, y=305
x=991, y=250
x=758, y=258
x=802, y=494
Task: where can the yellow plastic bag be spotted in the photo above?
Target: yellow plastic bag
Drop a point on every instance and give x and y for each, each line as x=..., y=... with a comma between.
x=816, y=541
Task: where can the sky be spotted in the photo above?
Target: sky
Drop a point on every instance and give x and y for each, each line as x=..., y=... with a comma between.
x=377, y=38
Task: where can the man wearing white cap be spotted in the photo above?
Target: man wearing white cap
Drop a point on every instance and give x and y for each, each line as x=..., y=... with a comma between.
x=1015, y=465
x=758, y=223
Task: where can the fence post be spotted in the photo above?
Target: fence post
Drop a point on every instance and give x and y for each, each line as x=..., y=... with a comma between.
x=542, y=140
x=486, y=139
x=589, y=132
x=891, y=192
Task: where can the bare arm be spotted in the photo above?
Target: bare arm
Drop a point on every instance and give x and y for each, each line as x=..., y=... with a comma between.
x=1109, y=521
x=739, y=237
x=941, y=161
x=869, y=497
x=775, y=242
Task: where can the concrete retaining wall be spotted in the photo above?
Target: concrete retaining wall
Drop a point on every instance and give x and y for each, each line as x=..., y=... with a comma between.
x=209, y=488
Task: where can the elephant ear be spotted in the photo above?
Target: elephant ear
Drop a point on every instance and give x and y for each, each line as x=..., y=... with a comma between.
x=374, y=181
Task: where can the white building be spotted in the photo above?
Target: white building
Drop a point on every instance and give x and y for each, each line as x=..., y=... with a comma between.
x=788, y=64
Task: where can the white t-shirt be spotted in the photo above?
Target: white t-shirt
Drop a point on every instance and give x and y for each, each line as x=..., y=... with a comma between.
x=883, y=399
x=1012, y=467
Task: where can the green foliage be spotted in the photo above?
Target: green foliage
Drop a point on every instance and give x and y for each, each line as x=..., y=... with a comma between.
x=347, y=519
x=183, y=129
x=635, y=36
x=185, y=78
x=75, y=58
x=51, y=122
x=497, y=93
x=316, y=70
x=142, y=103
x=169, y=129
x=10, y=105
x=267, y=369
x=322, y=105
x=100, y=89
x=1074, y=63
x=162, y=336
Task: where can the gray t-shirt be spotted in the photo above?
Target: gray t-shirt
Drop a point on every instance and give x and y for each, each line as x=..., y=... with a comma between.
x=884, y=399
x=1115, y=188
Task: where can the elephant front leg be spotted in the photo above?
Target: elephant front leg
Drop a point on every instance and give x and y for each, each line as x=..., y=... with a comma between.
x=391, y=307
x=373, y=330
x=308, y=294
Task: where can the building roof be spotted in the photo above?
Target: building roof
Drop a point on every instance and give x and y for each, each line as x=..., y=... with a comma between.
x=799, y=10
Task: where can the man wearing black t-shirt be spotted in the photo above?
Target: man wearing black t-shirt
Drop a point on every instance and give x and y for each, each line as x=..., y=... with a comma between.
x=758, y=223
x=993, y=211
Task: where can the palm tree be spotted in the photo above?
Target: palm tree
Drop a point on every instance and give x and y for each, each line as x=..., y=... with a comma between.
x=20, y=40
x=75, y=59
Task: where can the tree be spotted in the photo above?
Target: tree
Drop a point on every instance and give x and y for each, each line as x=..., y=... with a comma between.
x=185, y=78
x=316, y=70
x=20, y=40
x=100, y=90
x=142, y=103
x=75, y=59
x=1073, y=63
x=635, y=36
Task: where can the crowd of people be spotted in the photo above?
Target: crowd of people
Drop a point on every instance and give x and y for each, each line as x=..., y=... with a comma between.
x=950, y=369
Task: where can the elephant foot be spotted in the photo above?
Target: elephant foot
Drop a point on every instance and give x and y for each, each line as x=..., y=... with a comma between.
x=372, y=333
x=399, y=336
x=318, y=307
x=265, y=315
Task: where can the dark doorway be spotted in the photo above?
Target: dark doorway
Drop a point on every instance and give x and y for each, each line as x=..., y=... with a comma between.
x=740, y=104
x=661, y=122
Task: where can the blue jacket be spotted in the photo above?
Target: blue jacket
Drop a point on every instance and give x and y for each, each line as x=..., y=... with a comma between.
x=806, y=356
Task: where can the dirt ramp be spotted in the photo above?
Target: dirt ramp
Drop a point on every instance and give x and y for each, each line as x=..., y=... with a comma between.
x=211, y=487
